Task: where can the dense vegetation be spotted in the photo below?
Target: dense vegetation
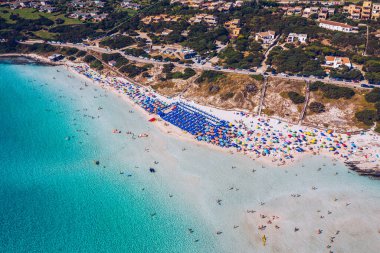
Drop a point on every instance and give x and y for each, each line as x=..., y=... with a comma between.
x=117, y=42
x=296, y=98
x=188, y=72
x=118, y=58
x=346, y=74
x=332, y=91
x=295, y=61
x=210, y=76
x=133, y=70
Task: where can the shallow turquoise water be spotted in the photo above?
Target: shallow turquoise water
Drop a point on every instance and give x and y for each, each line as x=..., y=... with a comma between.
x=53, y=197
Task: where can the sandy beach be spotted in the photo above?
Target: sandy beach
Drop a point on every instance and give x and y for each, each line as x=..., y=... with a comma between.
x=367, y=159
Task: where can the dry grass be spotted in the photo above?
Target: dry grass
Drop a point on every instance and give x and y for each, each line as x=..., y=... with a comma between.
x=277, y=101
x=228, y=92
x=340, y=113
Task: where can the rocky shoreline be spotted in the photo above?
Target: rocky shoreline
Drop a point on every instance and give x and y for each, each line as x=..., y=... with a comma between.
x=372, y=173
x=27, y=59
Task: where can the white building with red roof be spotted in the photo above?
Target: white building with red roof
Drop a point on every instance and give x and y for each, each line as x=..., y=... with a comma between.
x=336, y=26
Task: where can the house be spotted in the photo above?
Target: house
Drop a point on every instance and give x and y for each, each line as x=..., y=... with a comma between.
x=353, y=10
x=99, y=17
x=336, y=26
x=225, y=7
x=293, y=37
x=80, y=15
x=266, y=37
x=235, y=32
x=336, y=62
x=307, y=12
x=233, y=26
x=130, y=5
x=375, y=11
x=366, y=10
x=187, y=53
x=48, y=9
x=159, y=18
x=45, y=3
x=166, y=32
x=322, y=15
x=208, y=19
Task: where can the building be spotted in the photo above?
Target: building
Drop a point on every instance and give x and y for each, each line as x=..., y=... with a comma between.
x=160, y=18
x=166, y=32
x=336, y=62
x=266, y=37
x=208, y=19
x=307, y=12
x=336, y=26
x=130, y=5
x=354, y=11
x=375, y=11
x=366, y=10
x=294, y=37
x=233, y=26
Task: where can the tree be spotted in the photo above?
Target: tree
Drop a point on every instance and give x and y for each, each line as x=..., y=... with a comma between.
x=89, y=58
x=96, y=64
x=81, y=53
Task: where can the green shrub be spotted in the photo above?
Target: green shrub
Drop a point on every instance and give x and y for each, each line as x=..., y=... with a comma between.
x=89, y=58
x=316, y=107
x=373, y=96
x=132, y=70
x=257, y=77
x=296, y=98
x=368, y=117
x=210, y=76
x=70, y=51
x=118, y=42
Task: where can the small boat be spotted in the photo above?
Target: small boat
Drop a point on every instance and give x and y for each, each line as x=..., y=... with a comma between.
x=143, y=135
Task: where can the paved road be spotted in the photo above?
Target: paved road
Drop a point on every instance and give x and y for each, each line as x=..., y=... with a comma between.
x=197, y=66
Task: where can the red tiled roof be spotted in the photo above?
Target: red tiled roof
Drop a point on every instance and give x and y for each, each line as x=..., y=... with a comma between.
x=329, y=22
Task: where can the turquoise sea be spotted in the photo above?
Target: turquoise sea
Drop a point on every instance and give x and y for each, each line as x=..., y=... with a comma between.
x=54, y=198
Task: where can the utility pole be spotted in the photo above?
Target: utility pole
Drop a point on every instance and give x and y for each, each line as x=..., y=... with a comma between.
x=367, y=39
x=366, y=44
